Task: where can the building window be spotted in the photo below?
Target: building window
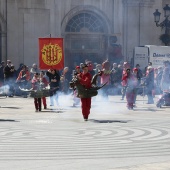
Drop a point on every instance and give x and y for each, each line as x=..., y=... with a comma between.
x=84, y=44
x=85, y=22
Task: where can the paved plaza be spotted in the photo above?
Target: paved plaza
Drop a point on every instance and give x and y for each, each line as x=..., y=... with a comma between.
x=114, y=138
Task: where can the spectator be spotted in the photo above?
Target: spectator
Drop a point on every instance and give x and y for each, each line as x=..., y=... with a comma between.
x=34, y=69
x=115, y=78
x=97, y=70
x=54, y=81
x=8, y=77
x=76, y=100
x=165, y=81
x=91, y=67
x=139, y=73
x=65, y=79
x=23, y=79
x=105, y=78
x=158, y=79
x=2, y=73
x=19, y=69
x=149, y=82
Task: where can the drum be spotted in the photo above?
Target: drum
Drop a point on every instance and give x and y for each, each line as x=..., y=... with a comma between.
x=40, y=93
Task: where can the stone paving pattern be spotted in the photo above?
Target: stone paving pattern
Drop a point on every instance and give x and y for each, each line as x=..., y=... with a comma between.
x=114, y=138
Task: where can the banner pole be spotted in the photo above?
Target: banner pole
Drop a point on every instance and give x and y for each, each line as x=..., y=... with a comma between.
x=50, y=53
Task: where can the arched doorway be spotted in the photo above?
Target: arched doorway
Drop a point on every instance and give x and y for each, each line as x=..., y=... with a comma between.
x=85, y=35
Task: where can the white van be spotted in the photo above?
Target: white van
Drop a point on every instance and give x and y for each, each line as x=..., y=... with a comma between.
x=151, y=53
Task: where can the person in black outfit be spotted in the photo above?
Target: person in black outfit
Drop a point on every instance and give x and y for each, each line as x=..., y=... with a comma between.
x=54, y=82
x=2, y=73
x=8, y=77
x=139, y=77
x=65, y=78
x=76, y=100
x=139, y=73
x=19, y=68
x=90, y=68
x=149, y=82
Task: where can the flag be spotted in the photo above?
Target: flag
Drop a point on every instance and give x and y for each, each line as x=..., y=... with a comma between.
x=51, y=53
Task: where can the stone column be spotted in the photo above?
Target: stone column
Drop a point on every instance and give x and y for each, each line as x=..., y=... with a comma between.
x=3, y=30
x=135, y=18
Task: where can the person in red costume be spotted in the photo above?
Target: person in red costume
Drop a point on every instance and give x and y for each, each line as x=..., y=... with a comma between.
x=131, y=82
x=126, y=66
x=85, y=79
x=35, y=83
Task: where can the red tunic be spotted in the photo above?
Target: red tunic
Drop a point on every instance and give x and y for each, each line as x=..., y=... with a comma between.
x=124, y=78
x=86, y=79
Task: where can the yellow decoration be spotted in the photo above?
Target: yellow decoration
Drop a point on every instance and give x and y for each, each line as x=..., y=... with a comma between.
x=51, y=54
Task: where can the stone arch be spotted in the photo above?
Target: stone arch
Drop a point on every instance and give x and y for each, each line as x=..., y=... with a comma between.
x=85, y=30
x=88, y=10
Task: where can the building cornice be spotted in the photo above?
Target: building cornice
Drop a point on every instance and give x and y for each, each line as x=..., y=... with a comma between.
x=136, y=3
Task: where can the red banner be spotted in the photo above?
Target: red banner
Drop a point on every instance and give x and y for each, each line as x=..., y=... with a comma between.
x=51, y=53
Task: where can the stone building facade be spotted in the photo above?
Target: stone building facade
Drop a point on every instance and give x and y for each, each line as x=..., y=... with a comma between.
x=92, y=29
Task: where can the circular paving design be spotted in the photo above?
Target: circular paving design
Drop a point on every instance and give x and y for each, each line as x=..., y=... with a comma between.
x=45, y=140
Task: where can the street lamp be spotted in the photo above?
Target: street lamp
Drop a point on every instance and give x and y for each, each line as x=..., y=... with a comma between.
x=165, y=38
x=157, y=15
x=166, y=23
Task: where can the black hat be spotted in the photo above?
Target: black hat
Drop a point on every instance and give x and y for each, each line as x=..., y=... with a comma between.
x=84, y=65
x=36, y=74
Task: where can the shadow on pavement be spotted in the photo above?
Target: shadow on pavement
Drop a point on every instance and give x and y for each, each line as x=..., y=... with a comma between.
x=146, y=109
x=8, y=120
x=108, y=121
x=10, y=107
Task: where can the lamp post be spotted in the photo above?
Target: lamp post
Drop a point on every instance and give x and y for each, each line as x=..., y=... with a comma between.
x=164, y=24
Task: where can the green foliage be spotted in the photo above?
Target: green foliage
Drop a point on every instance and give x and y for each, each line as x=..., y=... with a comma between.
x=165, y=38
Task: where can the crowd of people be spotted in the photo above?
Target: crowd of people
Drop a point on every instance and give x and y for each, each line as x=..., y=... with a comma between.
x=119, y=79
